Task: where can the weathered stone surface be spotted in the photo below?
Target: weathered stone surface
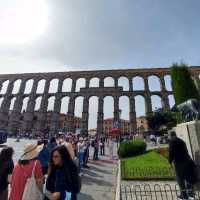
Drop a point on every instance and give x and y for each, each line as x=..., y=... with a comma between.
x=9, y=122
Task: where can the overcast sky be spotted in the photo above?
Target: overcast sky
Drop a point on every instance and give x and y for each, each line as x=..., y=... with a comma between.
x=90, y=34
x=63, y=35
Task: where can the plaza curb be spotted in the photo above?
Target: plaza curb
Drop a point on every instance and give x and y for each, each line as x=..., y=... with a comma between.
x=118, y=185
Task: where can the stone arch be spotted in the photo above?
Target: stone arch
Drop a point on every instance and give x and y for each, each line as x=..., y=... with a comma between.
x=67, y=85
x=138, y=83
x=154, y=83
x=109, y=82
x=64, y=105
x=156, y=102
x=12, y=103
x=139, y=105
x=124, y=82
x=108, y=110
x=124, y=106
x=80, y=83
x=38, y=102
x=28, y=87
x=93, y=112
x=168, y=82
x=51, y=103
x=4, y=87
x=94, y=82
x=78, y=106
x=53, y=87
x=124, y=116
x=1, y=100
x=41, y=86
x=16, y=86
x=171, y=100
x=24, y=104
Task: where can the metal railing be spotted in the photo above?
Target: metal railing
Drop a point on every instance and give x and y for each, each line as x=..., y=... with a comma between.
x=151, y=192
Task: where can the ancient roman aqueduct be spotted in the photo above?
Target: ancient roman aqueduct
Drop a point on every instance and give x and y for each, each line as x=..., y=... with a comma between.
x=9, y=119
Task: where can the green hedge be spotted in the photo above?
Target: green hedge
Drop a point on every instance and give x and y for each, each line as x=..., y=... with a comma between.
x=131, y=148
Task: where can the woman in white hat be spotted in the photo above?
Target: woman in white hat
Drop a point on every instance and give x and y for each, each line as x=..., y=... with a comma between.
x=23, y=170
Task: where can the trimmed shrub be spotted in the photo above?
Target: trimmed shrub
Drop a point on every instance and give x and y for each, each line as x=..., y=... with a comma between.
x=183, y=85
x=131, y=148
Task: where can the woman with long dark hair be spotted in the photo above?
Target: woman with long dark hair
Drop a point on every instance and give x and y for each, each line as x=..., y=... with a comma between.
x=63, y=175
x=6, y=168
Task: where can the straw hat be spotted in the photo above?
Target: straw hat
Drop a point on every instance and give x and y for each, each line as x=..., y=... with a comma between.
x=31, y=151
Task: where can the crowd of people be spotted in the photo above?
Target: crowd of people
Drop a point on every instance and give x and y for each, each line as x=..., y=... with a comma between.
x=57, y=166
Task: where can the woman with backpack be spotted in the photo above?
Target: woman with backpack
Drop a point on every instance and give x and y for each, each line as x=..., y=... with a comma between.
x=63, y=179
x=28, y=166
x=6, y=168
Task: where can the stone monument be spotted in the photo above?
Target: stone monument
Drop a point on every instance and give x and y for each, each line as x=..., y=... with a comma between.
x=190, y=133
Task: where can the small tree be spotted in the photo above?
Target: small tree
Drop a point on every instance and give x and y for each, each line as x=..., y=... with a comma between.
x=161, y=118
x=182, y=83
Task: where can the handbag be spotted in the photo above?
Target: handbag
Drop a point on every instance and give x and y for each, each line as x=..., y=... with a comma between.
x=31, y=190
x=68, y=196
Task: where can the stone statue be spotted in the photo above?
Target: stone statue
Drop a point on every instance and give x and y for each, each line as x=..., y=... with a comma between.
x=189, y=110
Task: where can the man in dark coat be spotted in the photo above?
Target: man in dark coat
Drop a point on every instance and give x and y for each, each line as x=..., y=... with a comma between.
x=184, y=166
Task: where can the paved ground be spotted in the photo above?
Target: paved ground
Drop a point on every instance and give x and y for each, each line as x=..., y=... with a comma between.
x=99, y=180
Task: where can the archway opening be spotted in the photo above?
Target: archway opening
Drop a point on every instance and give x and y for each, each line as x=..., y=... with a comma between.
x=138, y=83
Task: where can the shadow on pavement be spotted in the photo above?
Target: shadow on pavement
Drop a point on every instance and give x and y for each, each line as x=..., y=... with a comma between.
x=100, y=170
x=82, y=196
x=90, y=181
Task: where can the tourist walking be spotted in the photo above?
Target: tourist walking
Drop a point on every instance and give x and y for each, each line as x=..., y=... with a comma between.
x=86, y=153
x=68, y=144
x=6, y=168
x=52, y=144
x=81, y=150
x=110, y=147
x=23, y=170
x=184, y=166
x=43, y=156
x=102, y=147
x=96, y=149
x=63, y=176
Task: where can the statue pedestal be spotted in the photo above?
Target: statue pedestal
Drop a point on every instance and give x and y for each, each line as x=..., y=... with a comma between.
x=190, y=133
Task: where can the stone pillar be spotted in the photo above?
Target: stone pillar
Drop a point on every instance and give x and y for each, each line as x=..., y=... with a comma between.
x=14, y=120
x=4, y=111
x=1, y=84
x=133, y=121
x=116, y=110
x=162, y=84
x=100, y=117
x=87, y=83
x=101, y=83
x=148, y=106
x=29, y=114
x=73, y=89
x=85, y=116
x=70, y=115
x=116, y=82
x=42, y=115
x=165, y=101
x=130, y=84
x=54, y=122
